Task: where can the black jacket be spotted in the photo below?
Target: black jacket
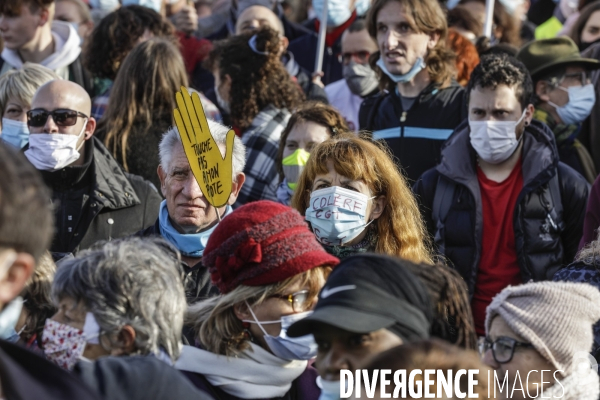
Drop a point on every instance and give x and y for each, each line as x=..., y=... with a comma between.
x=103, y=201
x=545, y=241
x=416, y=135
x=137, y=377
x=27, y=376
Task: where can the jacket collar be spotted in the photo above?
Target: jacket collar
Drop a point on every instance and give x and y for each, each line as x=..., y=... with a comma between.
x=540, y=156
x=113, y=189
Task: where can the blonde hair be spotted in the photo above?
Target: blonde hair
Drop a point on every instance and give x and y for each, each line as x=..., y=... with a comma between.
x=218, y=328
x=22, y=83
x=400, y=228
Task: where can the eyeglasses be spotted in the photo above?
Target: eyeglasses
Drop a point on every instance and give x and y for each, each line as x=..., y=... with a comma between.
x=299, y=300
x=503, y=348
x=62, y=117
x=360, y=57
x=574, y=79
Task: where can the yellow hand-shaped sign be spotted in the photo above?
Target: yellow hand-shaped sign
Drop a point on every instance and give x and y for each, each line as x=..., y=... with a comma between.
x=212, y=171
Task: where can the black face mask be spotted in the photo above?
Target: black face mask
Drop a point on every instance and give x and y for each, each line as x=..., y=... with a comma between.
x=585, y=45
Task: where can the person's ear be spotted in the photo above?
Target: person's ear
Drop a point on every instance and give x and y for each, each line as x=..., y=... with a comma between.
x=542, y=91
x=162, y=176
x=434, y=37
x=126, y=340
x=44, y=16
x=236, y=186
x=241, y=311
x=15, y=276
x=529, y=110
x=90, y=128
x=378, y=206
x=283, y=43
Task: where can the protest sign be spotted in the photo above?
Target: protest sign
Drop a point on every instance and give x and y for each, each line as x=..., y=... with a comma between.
x=212, y=170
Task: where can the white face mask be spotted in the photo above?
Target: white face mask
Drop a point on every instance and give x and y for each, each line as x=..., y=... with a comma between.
x=51, y=152
x=337, y=215
x=495, y=141
x=300, y=348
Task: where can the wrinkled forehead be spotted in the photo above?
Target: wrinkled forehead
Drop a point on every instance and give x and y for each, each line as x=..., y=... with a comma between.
x=501, y=97
x=180, y=161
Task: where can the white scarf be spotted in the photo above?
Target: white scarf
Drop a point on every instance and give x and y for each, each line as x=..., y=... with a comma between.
x=254, y=374
x=584, y=386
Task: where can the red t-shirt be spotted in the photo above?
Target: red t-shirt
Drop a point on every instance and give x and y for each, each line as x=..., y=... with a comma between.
x=498, y=265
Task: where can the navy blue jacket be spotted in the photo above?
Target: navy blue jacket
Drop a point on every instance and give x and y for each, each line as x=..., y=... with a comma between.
x=415, y=136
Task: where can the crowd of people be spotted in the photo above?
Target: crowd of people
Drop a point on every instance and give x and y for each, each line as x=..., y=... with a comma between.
x=420, y=196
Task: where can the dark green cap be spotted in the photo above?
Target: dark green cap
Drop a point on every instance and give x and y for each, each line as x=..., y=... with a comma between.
x=541, y=55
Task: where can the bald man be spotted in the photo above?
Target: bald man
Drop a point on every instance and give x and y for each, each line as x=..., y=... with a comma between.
x=256, y=17
x=93, y=198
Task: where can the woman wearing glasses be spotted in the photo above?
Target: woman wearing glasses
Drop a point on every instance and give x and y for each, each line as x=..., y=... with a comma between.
x=269, y=269
x=539, y=336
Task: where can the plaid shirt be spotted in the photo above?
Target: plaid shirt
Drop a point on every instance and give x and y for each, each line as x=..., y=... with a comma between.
x=262, y=143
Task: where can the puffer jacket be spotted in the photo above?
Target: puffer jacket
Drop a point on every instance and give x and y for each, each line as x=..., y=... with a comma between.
x=416, y=135
x=114, y=204
x=545, y=241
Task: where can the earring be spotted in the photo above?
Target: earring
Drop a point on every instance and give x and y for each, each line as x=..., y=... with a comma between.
x=246, y=332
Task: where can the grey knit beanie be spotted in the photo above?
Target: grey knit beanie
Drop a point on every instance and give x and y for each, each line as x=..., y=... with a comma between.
x=555, y=317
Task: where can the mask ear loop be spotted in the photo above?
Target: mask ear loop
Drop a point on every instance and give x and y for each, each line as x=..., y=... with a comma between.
x=256, y=320
x=82, y=133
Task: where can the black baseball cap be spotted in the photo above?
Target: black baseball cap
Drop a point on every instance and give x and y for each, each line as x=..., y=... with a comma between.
x=369, y=292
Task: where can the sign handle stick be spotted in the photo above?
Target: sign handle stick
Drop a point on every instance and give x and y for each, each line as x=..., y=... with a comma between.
x=321, y=39
x=489, y=18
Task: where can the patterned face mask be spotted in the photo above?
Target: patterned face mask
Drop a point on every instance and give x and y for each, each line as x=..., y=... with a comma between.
x=63, y=344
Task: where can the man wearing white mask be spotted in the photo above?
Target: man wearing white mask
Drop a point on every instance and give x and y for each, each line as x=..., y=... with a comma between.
x=422, y=103
x=564, y=95
x=500, y=205
x=359, y=80
x=94, y=199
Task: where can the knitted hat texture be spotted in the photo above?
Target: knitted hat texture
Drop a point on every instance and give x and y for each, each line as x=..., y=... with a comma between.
x=555, y=317
x=261, y=243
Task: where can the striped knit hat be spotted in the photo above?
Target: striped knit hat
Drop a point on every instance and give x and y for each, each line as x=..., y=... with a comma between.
x=262, y=243
x=555, y=317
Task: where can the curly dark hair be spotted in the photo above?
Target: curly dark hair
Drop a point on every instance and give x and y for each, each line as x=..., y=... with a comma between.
x=502, y=69
x=257, y=80
x=117, y=34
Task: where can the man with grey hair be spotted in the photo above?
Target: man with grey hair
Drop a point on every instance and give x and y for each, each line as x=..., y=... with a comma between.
x=186, y=219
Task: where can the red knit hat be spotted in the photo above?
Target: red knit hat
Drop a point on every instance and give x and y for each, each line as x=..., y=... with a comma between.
x=262, y=243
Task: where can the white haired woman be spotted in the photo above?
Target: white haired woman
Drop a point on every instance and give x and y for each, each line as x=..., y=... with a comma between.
x=124, y=298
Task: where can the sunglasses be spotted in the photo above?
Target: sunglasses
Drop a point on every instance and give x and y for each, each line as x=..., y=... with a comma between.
x=62, y=117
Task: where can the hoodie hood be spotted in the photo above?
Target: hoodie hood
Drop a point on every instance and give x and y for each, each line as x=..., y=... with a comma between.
x=66, y=48
x=540, y=155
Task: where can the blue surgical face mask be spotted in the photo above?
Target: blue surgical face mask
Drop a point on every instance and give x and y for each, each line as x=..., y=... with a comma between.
x=338, y=11
x=337, y=215
x=15, y=133
x=330, y=390
x=282, y=346
x=416, y=68
x=579, y=106
x=153, y=4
